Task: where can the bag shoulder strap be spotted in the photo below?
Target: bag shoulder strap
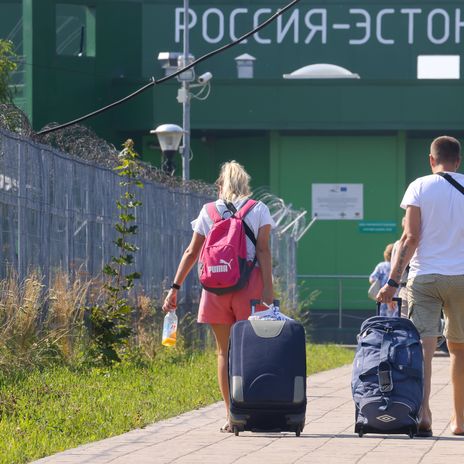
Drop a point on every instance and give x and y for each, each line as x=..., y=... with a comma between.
x=213, y=212
x=450, y=179
x=241, y=213
x=245, y=209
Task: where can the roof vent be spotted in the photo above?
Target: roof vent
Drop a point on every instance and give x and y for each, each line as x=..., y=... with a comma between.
x=321, y=71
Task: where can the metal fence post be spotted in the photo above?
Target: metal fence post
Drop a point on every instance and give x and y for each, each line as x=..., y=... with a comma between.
x=21, y=245
x=340, y=303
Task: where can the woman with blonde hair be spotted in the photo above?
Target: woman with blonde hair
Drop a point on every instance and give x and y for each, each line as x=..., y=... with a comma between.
x=221, y=311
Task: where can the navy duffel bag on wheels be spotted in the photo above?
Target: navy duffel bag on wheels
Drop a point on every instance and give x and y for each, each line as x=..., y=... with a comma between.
x=387, y=376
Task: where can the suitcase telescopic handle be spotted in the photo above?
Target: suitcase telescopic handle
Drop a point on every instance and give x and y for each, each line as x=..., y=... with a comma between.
x=254, y=303
x=398, y=300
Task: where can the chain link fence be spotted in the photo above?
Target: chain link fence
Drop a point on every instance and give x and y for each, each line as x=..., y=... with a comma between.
x=58, y=210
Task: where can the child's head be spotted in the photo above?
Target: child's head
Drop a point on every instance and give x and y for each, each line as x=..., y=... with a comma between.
x=387, y=254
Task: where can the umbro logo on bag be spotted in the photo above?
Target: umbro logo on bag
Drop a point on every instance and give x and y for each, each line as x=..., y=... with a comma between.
x=386, y=418
x=223, y=267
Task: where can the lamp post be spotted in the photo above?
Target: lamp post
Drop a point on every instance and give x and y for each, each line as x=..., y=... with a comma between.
x=173, y=60
x=186, y=101
x=186, y=78
x=183, y=95
x=169, y=136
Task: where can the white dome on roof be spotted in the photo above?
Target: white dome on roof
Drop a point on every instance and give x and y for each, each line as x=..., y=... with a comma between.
x=321, y=71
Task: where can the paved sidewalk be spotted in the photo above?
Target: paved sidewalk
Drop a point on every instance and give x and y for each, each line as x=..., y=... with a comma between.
x=327, y=438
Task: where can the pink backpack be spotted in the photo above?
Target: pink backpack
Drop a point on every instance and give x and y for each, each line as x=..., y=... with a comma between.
x=223, y=265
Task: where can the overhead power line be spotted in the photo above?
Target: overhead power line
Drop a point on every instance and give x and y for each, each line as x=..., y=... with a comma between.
x=154, y=81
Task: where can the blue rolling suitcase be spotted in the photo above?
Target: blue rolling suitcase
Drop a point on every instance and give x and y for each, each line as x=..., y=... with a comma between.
x=387, y=376
x=267, y=376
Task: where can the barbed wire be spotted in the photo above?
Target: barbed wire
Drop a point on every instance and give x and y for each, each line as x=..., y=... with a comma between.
x=83, y=143
x=15, y=120
x=287, y=218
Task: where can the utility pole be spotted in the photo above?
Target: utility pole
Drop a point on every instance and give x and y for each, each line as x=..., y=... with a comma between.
x=186, y=101
x=169, y=135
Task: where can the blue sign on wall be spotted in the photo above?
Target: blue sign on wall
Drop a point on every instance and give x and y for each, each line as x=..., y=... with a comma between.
x=377, y=227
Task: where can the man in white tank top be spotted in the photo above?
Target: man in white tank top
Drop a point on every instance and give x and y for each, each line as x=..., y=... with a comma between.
x=433, y=244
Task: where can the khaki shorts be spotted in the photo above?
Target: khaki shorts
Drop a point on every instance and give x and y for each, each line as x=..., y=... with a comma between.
x=428, y=295
x=403, y=294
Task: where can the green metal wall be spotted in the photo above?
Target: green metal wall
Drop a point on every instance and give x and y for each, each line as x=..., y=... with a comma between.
x=60, y=88
x=377, y=39
x=10, y=23
x=417, y=150
x=211, y=149
x=130, y=34
x=338, y=246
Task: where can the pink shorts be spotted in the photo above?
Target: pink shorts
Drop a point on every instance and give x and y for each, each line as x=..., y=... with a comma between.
x=230, y=307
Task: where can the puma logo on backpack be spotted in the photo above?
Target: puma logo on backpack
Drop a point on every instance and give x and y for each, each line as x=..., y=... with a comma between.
x=223, y=265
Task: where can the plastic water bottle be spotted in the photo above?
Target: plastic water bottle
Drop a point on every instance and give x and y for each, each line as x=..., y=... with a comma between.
x=169, y=329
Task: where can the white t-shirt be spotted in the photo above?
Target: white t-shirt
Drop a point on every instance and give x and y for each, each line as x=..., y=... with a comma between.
x=258, y=217
x=441, y=241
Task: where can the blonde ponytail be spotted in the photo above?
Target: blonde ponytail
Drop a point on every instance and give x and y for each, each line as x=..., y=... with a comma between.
x=234, y=182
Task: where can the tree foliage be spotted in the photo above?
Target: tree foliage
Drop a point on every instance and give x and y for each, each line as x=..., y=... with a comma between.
x=7, y=66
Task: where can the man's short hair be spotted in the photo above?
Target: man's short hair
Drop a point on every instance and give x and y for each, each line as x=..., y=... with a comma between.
x=446, y=149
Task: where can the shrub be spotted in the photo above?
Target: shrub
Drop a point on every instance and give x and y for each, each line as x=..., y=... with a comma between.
x=7, y=66
x=110, y=326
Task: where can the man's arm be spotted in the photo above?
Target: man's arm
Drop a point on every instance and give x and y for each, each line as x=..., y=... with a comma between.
x=404, y=252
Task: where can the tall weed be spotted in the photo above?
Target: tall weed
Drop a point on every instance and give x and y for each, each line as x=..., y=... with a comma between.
x=39, y=327
x=65, y=315
x=21, y=340
x=147, y=330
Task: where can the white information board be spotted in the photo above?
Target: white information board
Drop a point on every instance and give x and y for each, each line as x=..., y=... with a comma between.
x=337, y=201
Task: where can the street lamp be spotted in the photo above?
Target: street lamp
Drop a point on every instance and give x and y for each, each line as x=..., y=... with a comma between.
x=184, y=94
x=169, y=137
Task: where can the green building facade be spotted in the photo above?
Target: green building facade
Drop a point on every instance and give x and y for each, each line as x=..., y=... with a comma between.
x=307, y=140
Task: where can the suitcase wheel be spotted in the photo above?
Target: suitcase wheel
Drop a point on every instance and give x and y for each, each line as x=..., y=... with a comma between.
x=298, y=431
x=360, y=432
x=235, y=430
x=411, y=433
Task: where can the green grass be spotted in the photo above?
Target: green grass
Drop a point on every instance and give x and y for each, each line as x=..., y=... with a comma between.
x=44, y=412
x=323, y=357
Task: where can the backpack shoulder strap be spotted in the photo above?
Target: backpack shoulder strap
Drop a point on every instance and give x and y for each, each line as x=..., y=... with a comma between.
x=450, y=179
x=241, y=213
x=246, y=208
x=213, y=212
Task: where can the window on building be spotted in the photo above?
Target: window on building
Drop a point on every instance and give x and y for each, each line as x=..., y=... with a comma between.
x=75, y=30
x=438, y=67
